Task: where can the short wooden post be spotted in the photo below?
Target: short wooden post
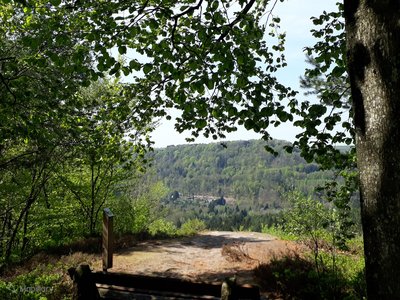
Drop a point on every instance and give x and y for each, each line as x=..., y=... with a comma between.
x=108, y=239
x=84, y=285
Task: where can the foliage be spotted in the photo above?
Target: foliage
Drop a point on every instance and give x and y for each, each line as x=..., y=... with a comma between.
x=103, y=156
x=203, y=63
x=307, y=217
x=252, y=182
x=241, y=170
x=70, y=178
x=294, y=277
x=329, y=121
x=30, y=286
x=319, y=227
x=47, y=127
x=137, y=206
x=191, y=227
x=278, y=231
x=165, y=228
x=311, y=219
x=37, y=110
x=162, y=228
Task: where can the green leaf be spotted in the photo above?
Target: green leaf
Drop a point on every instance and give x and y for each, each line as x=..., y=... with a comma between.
x=122, y=50
x=147, y=68
x=135, y=65
x=200, y=124
x=55, y=2
x=249, y=124
x=317, y=110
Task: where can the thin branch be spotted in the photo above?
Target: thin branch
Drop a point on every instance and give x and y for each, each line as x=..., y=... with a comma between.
x=237, y=20
x=272, y=9
x=176, y=17
x=8, y=87
x=4, y=164
x=189, y=10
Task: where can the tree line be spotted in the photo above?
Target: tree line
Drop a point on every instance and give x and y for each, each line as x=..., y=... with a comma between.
x=241, y=170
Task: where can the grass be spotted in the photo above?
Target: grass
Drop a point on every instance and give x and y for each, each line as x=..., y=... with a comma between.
x=278, y=232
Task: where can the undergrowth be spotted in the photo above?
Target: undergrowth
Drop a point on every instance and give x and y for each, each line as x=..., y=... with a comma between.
x=294, y=277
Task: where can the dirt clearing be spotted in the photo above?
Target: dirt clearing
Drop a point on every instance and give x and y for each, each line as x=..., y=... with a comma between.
x=208, y=256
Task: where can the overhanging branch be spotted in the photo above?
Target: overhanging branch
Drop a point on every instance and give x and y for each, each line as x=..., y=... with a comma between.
x=245, y=10
x=176, y=17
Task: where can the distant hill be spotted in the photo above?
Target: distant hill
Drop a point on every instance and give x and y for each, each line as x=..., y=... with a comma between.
x=241, y=170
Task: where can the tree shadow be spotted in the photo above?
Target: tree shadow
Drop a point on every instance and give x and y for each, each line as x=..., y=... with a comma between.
x=203, y=241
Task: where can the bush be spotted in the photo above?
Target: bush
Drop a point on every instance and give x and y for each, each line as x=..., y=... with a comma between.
x=295, y=277
x=162, y=228
x=191, y=227
x=30, y=286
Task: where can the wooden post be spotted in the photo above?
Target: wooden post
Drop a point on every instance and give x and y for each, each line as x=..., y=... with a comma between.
x=108, y=239
x=84, y=285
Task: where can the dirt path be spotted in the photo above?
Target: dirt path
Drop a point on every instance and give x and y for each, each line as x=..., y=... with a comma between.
x=209, y=256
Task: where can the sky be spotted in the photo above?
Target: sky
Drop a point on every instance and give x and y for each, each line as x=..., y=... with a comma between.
x=295, y=21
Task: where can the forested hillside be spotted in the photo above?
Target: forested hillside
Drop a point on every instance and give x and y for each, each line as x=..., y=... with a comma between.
x=241, y=170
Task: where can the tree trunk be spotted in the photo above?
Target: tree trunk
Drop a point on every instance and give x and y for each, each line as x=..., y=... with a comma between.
x=10, y=242
x=373, y=49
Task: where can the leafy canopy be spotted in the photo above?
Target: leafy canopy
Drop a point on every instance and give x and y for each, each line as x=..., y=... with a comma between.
x=208, y=59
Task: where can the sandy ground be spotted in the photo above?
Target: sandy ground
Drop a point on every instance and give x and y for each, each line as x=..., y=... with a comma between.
x=209, y=256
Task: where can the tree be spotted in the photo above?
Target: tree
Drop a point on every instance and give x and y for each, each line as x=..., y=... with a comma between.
x=201, y=57
x=35, y=110
x=45, y=125
x=368, y=54
x=103, y=156
x=372, y=35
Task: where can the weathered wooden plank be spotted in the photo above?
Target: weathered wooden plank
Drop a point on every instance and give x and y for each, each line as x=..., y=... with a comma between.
x=123, y=293
x=171, y=285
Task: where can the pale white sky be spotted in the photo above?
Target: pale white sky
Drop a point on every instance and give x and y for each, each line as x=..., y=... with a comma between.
x=295, y=21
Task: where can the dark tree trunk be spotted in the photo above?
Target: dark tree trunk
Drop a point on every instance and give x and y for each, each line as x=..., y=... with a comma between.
x=10, y=242
x=373, y=45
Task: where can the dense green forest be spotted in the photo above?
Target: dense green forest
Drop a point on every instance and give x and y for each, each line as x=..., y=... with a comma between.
x=235, y=185
x=242, y=170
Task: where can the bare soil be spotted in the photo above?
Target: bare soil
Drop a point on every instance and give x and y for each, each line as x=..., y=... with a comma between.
x=208, y=256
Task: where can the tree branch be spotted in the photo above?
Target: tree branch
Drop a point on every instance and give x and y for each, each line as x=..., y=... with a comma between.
x=3, y=80
x=5, y=163
x=176, y=17
x=237, y=20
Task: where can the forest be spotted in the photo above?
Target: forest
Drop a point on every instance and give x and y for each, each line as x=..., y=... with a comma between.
x=242, y=170
x=252, y=182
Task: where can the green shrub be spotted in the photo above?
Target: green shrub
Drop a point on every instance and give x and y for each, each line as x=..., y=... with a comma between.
x=162, y=228
x=295, y=277
x=278, y=232
x=191, y=227
x=30, y=286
